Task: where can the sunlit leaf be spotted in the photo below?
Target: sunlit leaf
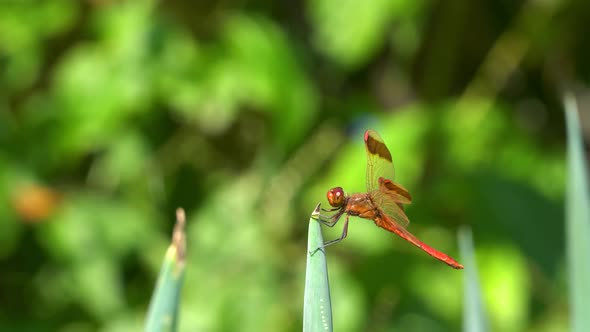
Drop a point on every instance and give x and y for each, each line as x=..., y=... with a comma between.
x=317, y=306
x=164, y=306
x=577, y=221
x=474, y=317
x=350, y=33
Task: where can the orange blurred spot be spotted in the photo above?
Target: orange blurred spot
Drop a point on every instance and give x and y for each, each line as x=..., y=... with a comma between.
x=35, y=203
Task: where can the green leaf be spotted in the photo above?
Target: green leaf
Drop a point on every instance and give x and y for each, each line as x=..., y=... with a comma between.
x=163, y=310
x=474, y=318
x=577, y=221
x=317, y=308
x=351, y=33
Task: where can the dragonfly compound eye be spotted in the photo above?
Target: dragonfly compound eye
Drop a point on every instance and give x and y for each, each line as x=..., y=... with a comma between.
x=336, y=197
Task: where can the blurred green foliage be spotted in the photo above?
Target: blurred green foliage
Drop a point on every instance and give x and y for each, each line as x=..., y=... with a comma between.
x=114, y=113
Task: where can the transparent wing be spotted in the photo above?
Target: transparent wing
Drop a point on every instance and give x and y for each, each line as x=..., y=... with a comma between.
x=395, y=191
x=379, y=162
x=392, y=209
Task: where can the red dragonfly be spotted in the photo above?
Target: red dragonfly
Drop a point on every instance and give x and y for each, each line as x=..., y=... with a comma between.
x=382, y=202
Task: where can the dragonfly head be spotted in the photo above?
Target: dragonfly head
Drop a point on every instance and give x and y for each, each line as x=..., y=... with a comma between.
x=336, y=196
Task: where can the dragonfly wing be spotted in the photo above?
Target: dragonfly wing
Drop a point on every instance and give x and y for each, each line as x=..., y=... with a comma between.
x=392, y=209
x=395, y=191
x=394, y=227
x=379, y=161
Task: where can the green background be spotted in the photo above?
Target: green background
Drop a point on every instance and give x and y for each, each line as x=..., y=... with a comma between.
x=114, y=113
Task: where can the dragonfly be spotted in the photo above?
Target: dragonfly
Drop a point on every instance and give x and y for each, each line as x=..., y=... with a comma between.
x=383, y=202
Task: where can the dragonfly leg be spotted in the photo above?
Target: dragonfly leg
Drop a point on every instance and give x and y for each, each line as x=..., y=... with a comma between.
x=330, y=221
x=342, y=237
x=332, y=209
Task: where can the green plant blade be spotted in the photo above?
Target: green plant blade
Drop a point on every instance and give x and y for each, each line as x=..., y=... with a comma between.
x=577, y=221
x=317, y=308
x=163, y=310
x=474, y=318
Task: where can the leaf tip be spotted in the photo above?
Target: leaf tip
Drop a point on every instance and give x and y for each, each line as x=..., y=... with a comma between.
x=316, y=212
x=179, y=235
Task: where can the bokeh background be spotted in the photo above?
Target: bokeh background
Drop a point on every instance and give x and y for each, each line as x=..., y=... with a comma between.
x=114, y=113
